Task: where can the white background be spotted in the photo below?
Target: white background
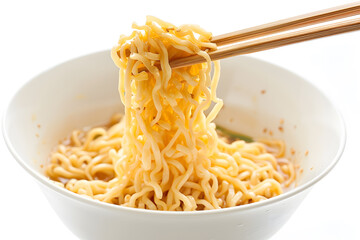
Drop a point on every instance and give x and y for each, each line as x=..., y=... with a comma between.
x=37, y=35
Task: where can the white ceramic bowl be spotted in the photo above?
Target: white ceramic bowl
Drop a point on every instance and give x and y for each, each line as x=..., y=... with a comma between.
x=83, y=92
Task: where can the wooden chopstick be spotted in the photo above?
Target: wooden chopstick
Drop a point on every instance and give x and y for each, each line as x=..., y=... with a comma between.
x=273, y=42
x=304, y=20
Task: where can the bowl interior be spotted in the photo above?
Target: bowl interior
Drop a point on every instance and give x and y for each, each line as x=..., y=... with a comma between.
x=260, y=100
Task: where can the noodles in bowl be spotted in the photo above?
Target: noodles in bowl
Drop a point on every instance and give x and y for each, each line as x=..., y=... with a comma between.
x=165, y=153
x=32, y=127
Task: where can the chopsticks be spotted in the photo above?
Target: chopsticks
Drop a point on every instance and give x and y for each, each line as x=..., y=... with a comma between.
x=257, y=38
x=304, y=20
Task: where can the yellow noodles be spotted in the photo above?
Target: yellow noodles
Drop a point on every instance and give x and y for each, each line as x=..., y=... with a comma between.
x=165, y=154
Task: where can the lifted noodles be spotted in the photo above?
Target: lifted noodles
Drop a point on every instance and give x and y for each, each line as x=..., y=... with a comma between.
x=164, y=153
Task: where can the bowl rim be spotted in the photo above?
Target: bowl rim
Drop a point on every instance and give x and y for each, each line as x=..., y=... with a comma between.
x=88, y=201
